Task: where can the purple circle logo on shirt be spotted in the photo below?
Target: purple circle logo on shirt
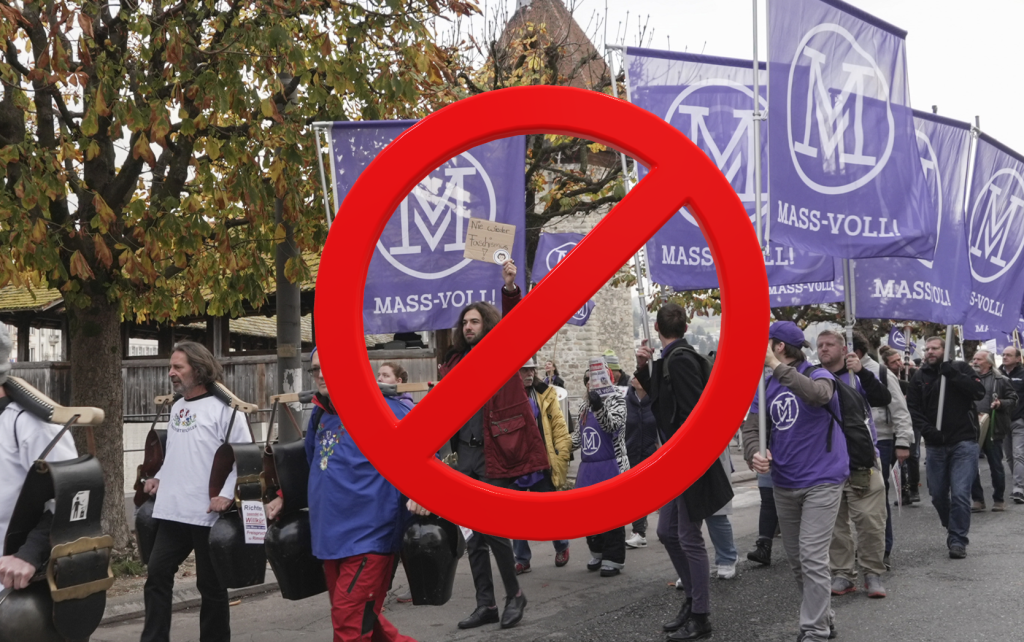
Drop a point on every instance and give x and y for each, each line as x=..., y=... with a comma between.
x=785, y=409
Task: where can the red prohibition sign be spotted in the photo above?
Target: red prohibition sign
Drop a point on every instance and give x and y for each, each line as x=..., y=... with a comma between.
x=680, y=174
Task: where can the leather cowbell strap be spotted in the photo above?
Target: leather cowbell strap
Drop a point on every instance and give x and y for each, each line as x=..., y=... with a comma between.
x=285, y=467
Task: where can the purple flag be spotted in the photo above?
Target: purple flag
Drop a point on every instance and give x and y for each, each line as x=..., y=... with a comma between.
x=418, y=278
x=845, y=172
x=581, y=317
x=902, y=288
x=781, y=296
x=897, y=339
x=995, y=238
x=551, y=249
x=710, y=100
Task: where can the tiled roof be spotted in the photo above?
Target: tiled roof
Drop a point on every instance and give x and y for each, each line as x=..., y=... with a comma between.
x=15, y=299
x=259, y=326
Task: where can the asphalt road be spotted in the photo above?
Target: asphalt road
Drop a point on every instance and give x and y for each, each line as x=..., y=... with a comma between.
x=930, y=596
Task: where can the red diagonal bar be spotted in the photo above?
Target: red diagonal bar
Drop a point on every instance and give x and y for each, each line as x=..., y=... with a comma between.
x=680, y=175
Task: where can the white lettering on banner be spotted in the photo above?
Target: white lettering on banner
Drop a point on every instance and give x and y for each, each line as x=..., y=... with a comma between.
x=800, y=288
x=978, y=327
x=555, y=256
x=918, y=290
x=438, y=210
x=994, y=221
x=680, y=255
x=785, y=410
x=987, y=304
x=835, y=114
x=426, y=301
x=837, y=224
x=734, y=159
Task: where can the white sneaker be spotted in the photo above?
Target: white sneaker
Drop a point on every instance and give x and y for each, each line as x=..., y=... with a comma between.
x=637, y=541
x=679, y=585
x=726, y=571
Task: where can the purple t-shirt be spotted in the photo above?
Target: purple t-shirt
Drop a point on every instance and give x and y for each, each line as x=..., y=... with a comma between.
x=800, y=458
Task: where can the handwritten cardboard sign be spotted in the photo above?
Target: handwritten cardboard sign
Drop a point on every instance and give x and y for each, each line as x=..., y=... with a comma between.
x=489, y=241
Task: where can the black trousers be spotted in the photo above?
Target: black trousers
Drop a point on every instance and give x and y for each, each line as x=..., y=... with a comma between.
x=479, y=549
x=610, y=546
x=174, y=542
x=767, y=519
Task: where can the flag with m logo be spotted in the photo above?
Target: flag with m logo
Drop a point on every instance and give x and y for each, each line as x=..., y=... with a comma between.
x=918, y=289
x=418, y=277
x=845, y=173
x=995, y=239
x=711, y=101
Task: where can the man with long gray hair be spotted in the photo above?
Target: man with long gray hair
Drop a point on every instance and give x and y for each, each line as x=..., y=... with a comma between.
x=200, y=423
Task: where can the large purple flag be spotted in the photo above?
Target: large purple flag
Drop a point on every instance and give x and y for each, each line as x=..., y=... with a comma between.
x=845, y=174
x=551, y=249
x=418, y=278
x=936, y=291
x=995, y=238
x=780, y=296
x=710, y=100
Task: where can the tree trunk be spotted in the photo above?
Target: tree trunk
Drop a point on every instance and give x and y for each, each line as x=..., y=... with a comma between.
x=96, y=381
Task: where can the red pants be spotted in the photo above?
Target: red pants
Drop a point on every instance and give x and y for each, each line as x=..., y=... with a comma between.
x=357, y=587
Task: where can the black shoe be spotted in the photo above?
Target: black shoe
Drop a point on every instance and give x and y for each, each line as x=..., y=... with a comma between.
x=481, y=616
x=609, y=572
x=515, y=606
x=915, y=497
x=761, y=553
x=832, y=631
x=684, y=615
x=957, y=552
x=696, y=628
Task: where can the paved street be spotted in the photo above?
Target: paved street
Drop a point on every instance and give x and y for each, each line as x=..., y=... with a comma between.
x=930, y=596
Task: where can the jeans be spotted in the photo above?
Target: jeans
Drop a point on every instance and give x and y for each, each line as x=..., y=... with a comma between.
x=993, y=451
x=1013, y=446
x=684, y=542
x=174, y=541
x=886, y=453
x=640, y=526
x=521, y=547
x=807, y=517
x=720, y=532
x=951, y=470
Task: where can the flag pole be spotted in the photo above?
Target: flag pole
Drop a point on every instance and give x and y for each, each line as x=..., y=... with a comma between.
x=848, y=304
x=762, y=423
x=627, y=183
x=949, y=328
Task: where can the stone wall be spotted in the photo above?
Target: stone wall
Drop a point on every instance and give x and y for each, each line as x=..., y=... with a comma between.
x=610, y=325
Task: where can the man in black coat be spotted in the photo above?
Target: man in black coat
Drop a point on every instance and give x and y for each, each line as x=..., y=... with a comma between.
x=675, y=384
x=952, y=451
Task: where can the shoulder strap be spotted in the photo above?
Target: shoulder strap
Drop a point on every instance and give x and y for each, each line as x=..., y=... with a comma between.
x=318, y=412
x=17, y=442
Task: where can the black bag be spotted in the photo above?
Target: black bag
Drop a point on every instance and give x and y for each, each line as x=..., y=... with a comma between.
x=854, y=424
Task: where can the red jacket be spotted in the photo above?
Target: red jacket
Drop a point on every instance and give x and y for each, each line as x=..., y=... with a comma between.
x=512, y=441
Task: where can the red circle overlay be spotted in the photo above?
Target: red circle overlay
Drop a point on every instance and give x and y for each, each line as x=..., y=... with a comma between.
x=680, y=175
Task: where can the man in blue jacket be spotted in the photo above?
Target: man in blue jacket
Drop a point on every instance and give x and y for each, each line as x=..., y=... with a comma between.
x=356, y=518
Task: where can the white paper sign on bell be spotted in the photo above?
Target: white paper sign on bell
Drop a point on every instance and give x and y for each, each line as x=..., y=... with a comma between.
x=254, y=520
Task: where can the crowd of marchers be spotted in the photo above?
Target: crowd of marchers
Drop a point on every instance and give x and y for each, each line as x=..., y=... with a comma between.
x=840, y=435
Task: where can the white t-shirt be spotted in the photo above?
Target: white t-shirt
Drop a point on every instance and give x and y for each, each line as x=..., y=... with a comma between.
x=17, y=455
x=194, y=433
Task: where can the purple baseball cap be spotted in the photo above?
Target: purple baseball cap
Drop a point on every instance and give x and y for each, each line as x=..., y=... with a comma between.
x=788, y=333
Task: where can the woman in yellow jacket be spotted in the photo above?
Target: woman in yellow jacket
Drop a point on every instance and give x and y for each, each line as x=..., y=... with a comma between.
x=544, y=401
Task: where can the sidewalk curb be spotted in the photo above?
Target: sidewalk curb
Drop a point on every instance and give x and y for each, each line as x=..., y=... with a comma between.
x=743, y=476
x=132, y=606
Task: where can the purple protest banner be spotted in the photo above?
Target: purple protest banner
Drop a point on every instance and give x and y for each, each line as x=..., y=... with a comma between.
x=418, y=277
x=898, y=339
x=995, y=238
x=551, y=249
x=581, y=317
x=845, y=174
x=780, y=296
x=918, y=289
x=710, y=100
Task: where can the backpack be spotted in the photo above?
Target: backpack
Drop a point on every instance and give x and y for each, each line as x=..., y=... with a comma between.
x=854, y=424
x=702, y=361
